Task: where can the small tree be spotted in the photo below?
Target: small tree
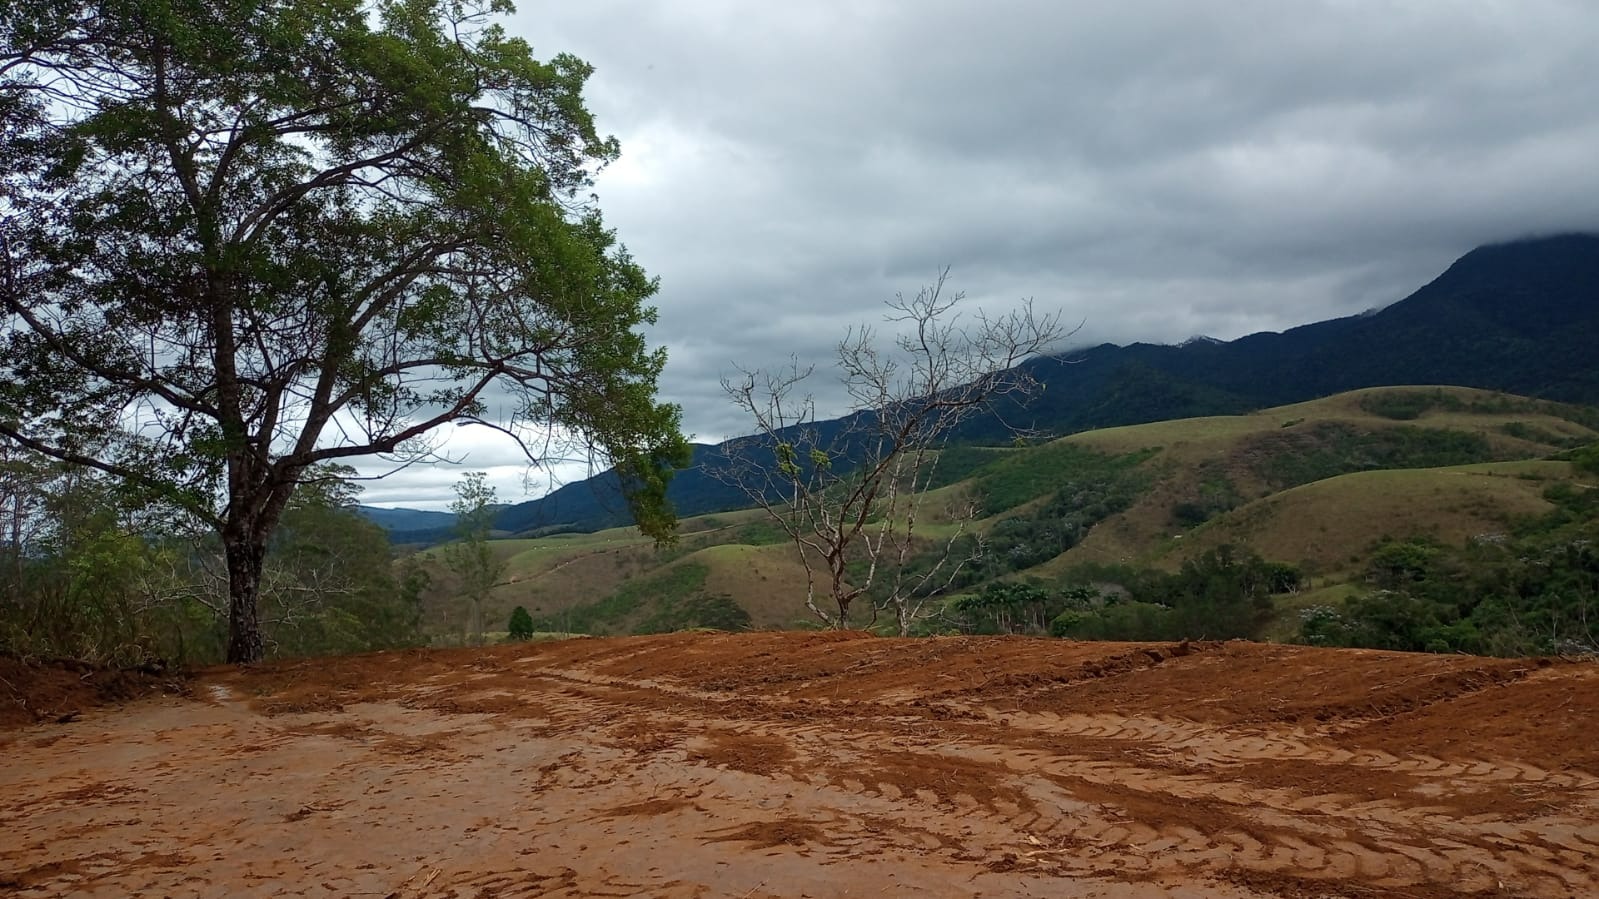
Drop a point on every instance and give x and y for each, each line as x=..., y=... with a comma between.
x=521, y=624
x=471, y=557
x=853, y=492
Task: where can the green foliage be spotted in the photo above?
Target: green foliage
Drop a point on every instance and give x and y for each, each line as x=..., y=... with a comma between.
x=1058, y=467
x=520, y=627
x=1407, y=405
x=1291, y=458
x=308, y=231
x=1214, y=495
x=82, y=583
x=1586, y=459
x=958, y=462
x=1535, y=593
x=329, y=584
x=1219, y=594
x=471, y=557
x=99, y=579
x=759, y=533
x=1007, y=608
x=718, y=611
x=1522, y=430
x=1082, y=487
x=1123, y=620
x=637, y=602
x=1396, y=564
x=1087, y=487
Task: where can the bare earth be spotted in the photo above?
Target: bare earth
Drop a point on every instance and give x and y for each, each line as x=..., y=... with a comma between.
x=703, y=765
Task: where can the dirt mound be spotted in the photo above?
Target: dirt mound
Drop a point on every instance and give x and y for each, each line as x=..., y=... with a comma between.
x=34, y=691
x=819, y=764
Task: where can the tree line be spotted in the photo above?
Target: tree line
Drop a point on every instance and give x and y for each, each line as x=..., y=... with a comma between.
x=89, y=572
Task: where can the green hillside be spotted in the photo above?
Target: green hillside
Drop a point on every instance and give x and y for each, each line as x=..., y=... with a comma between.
x=1519, y=317
x=1315, y=489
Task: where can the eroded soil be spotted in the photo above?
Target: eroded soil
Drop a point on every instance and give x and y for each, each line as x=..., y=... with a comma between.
x=823, y=765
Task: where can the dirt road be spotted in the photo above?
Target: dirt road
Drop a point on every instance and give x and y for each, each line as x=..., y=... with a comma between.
x=823, y=765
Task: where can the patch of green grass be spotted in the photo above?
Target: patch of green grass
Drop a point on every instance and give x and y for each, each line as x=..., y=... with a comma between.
x=1041, y=471
x=630, y=604
x=1329, y=449
x=697, y=612
x=1288, y=608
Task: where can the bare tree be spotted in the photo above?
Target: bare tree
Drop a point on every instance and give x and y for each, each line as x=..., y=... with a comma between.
x=853, y=492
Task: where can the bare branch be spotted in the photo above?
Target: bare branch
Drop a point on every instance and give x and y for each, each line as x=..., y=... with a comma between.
x=850, y=493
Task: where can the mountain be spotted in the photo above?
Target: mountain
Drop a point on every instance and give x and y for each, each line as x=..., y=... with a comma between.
x=406, y=519
x=1521, y=317
x=1318, y=485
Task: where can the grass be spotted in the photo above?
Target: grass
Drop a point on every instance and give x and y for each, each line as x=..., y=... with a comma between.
x=616, y=579
x=1286, y=609
x=1331, y=524
x=633, y=605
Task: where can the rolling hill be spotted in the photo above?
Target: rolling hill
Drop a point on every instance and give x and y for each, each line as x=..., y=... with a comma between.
x=1521, y=317
x=1316, y=485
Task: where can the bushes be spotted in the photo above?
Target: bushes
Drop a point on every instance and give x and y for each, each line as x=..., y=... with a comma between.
x=1219, y=595
x=1006, y=608
x=672, y=600
x=1536, y=594
x=98, y=576
x=520, y=627
x=1124, y=620
x=1291, y=458
x=1216, y=494
x=717, y=611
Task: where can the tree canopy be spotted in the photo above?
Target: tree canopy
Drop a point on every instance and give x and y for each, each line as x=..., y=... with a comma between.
x=239, y=239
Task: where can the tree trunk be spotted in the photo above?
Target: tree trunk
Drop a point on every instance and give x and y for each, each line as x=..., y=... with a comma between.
x=246, y=558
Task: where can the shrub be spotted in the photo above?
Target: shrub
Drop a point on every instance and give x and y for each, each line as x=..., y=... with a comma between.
x=521, y=624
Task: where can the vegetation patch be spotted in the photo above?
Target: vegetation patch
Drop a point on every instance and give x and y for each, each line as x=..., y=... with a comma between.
x=1059, y=467
x=1532, y=592
x=1211, y=496
x=1223, y=593
x=1285, y=459
x=717, y=611
x=1408, y=405
x=659, y=602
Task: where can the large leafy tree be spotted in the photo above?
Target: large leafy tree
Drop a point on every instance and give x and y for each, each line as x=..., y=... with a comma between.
x=240, y=238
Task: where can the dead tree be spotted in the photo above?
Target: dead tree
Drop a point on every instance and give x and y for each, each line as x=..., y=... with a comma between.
x=853, y=492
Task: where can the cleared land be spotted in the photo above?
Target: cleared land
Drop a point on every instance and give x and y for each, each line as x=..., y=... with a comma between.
x=707, y=765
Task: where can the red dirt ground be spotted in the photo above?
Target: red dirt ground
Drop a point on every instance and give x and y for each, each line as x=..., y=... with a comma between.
x=700, y=765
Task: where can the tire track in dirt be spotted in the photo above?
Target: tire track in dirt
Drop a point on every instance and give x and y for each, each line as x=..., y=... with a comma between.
x=1196, y=742
x=1219, y=746
x=788, y=764
x=1389, y=843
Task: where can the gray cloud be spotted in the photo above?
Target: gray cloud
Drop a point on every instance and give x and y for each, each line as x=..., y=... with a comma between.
x=1154, y=168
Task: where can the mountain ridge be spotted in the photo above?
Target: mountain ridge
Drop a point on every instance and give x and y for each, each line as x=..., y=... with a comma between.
x=1520, y=316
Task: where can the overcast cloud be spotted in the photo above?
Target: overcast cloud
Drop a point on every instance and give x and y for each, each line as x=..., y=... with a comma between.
x=1154, y=168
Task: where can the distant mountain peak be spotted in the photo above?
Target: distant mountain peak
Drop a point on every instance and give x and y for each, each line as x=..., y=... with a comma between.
x=1201, y=340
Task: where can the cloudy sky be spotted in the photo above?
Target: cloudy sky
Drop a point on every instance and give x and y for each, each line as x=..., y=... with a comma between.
x=1155, y=169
